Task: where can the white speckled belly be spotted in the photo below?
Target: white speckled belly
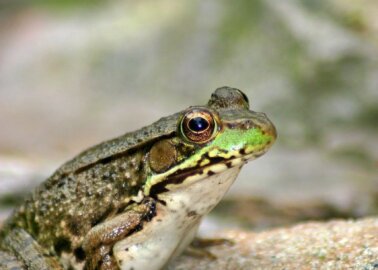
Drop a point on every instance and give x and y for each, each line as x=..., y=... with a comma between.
x=175, y=225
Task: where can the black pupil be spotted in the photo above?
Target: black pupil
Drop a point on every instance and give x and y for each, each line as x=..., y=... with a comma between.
x=198, y=124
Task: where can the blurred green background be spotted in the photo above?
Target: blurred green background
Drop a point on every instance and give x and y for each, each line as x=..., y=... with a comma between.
x=74, y=73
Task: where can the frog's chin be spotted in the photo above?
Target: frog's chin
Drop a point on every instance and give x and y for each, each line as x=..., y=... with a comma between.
x=191, y=176
x=184, y=178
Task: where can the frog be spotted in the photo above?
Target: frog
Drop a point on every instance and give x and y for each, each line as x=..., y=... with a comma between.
x=135, y=202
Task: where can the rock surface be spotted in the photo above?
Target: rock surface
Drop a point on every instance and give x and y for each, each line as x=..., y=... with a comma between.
x=338, y=244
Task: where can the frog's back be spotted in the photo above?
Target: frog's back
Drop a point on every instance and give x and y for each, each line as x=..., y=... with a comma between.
x=121, y=145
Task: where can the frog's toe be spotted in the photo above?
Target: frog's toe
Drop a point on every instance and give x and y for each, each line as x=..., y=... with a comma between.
x=209, y=242
x=200, y=253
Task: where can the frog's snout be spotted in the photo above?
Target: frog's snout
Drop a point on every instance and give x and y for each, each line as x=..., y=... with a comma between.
x=271, y=130
x=268, y=127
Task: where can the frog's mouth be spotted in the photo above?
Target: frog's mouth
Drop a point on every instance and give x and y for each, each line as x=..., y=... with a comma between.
x=216, y=165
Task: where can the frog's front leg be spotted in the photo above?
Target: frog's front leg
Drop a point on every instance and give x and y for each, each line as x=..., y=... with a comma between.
x=23, y=252
x=99, y=242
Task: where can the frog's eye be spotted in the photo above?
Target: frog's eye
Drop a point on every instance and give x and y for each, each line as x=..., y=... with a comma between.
x=198, y=125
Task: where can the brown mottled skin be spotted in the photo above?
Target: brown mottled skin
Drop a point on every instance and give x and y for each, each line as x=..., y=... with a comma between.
x=74, y=218
x=48, y=215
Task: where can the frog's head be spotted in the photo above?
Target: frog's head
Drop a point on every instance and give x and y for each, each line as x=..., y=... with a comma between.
x=209, y=140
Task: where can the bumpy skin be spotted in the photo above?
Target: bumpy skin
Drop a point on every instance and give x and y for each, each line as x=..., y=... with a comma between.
x=95, y=186
x=108, y=193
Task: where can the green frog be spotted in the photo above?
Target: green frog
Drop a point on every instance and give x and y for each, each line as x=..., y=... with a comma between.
x=136, y=201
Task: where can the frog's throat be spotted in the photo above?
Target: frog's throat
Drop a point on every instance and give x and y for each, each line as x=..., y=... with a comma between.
x=186, y=177
x=210, y=160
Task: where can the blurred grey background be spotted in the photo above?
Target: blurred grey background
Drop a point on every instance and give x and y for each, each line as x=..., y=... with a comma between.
x=74, y=73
